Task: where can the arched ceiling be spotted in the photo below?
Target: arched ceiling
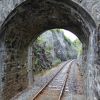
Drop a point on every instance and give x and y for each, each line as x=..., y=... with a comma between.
x=30, y=19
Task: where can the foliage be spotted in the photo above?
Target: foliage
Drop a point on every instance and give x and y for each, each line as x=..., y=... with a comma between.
x=39, y=40
x=56, y=62
x=56, y=30
x=67, y=40
x=78, y=46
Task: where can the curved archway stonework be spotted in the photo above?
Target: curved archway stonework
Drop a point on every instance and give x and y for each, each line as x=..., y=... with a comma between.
x=47, y=15
x=26, y=22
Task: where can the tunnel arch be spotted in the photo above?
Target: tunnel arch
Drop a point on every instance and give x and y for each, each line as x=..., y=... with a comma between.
x=33, y=17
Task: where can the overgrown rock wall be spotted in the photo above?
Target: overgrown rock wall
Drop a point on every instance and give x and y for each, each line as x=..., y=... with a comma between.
x=52, y=48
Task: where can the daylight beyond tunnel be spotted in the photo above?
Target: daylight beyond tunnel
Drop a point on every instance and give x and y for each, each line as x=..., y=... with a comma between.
x=53, y=47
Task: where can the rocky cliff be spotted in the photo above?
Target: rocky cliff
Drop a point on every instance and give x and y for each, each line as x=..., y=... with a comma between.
x=52, y=48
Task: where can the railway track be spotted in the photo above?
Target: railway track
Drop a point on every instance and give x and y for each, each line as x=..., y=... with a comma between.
x=54, y=88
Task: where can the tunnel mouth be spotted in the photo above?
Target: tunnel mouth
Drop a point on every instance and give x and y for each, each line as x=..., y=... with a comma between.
x=56, y=42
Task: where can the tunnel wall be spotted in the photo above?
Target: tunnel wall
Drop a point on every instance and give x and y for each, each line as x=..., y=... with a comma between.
x=2, y=68
x=92, y=6
x=15, y=75
x=97, y=66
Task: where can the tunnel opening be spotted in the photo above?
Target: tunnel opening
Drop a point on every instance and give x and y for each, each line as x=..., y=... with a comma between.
x=53, y=47
x=40, y=57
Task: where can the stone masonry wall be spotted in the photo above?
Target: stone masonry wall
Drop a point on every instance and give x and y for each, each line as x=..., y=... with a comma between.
x=15, y=77
x=2, y=68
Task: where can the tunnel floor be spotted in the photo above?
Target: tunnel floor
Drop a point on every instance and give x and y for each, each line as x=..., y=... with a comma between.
x=73, y=86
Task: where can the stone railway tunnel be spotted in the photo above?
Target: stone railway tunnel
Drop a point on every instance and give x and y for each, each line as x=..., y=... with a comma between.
x=25, y=23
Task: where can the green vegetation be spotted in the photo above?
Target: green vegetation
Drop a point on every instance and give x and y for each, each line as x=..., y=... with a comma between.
x=67, y=40
x=39, y=40
x=57, y=61
x=43, y=52
x=78, y=46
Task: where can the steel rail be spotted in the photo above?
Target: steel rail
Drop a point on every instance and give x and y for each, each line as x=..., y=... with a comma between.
x=33, y=98
x=64, y=85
